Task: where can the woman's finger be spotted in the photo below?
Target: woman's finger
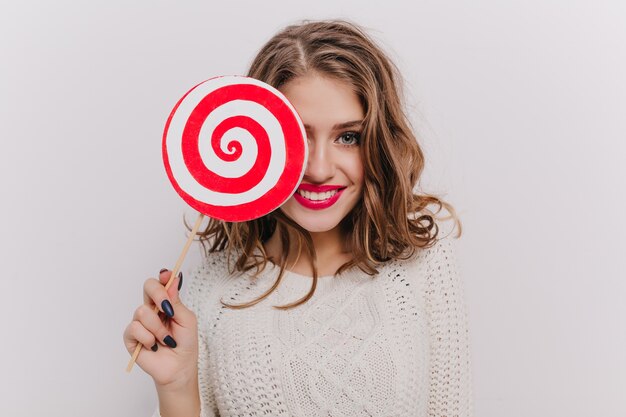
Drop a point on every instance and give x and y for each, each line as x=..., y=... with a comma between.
x=164, y=277
x=151, y=321
x=155, y=294
x=136, y=333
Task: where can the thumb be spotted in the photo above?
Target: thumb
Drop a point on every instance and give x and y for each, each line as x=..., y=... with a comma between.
x=182, y=315
x=173, y=290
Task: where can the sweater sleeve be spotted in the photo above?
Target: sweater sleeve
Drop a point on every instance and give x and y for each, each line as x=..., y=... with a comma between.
x=199, y=293
x=450, y=391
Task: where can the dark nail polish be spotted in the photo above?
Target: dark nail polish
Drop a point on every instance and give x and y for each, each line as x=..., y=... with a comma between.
x=155, y=347
x=167, y=308
x=163, y=270
x=169, y=341
x=180, y=283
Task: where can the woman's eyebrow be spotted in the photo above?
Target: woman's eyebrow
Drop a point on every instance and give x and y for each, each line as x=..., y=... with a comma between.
x=353, y=123
x=339, y=126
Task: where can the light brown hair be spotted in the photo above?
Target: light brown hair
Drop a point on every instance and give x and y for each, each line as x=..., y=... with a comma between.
x=390, y=221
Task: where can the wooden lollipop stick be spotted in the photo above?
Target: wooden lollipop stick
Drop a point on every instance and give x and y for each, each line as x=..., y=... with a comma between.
x=179, y=263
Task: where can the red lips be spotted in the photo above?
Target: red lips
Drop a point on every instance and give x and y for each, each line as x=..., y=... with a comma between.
x=318, y=188
x=318, y=204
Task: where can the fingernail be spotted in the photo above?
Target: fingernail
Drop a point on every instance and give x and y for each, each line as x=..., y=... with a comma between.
x=167, y=308
x=180, y=283
x=169, y=341
x=155, y=347
x=162, y=270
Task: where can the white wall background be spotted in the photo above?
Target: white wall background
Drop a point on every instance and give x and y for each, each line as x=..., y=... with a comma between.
x=521, y=107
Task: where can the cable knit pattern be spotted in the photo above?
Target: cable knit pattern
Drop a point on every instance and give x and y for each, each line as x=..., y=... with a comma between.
x=391, y=345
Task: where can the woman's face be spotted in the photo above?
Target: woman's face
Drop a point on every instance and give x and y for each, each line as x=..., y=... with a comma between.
x=333, y=181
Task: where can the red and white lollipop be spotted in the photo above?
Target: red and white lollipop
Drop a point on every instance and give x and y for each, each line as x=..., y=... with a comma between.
x=234, y=148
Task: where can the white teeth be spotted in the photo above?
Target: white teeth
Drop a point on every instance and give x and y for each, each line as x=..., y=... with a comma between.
x=317, y=196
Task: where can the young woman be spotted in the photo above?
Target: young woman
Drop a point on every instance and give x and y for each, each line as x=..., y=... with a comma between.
x=343, y=302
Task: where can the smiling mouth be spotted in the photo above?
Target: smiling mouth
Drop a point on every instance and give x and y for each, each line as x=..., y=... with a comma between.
x=318, y=200
x=313, y=196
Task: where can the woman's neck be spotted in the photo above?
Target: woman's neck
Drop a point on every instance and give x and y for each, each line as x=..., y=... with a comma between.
x=330, y=249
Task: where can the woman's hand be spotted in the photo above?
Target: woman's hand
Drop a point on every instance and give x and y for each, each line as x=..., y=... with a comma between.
x=169, y=336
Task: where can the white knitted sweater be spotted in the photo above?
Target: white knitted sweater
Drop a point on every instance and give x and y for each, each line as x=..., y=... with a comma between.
x=391, y=345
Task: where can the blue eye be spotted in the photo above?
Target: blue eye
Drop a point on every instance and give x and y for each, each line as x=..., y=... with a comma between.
x=349, y=138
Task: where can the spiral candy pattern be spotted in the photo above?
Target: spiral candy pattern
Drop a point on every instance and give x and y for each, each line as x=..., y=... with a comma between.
x=234, y=148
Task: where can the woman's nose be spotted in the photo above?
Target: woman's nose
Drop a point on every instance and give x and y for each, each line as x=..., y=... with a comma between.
x=320, y=165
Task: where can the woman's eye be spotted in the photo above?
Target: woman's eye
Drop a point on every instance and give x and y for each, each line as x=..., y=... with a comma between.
x=349, y=138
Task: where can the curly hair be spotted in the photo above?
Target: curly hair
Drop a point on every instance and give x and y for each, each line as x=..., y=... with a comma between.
x=391, y=221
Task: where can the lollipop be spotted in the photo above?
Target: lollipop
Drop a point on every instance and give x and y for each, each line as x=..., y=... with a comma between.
x=234, y=149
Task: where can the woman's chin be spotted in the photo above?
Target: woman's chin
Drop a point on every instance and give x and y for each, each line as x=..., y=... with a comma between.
x=311, y=223
x=316, y=226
